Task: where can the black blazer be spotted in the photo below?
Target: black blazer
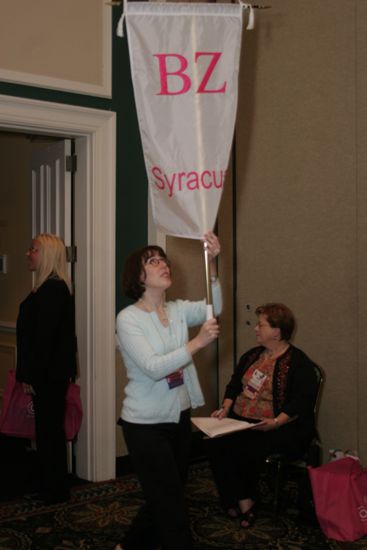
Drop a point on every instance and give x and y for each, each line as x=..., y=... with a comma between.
x=46, y=343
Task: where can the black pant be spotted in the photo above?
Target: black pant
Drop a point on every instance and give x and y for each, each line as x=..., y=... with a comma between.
x=237, y=459
x=160, y=456
x=49, y=408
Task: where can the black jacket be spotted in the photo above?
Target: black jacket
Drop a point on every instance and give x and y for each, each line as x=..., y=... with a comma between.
x=295, y=384
x=46, y=343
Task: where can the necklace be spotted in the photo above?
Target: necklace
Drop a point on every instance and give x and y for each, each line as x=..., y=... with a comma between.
x=160, y=311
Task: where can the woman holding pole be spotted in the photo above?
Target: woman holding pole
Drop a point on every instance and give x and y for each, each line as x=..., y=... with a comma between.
x=162, y=387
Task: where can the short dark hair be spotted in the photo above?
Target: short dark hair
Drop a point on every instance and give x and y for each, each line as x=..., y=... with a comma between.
x=278, y=316
x=132, y=286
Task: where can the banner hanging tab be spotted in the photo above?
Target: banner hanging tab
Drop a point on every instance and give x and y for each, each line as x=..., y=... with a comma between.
x=185, y=62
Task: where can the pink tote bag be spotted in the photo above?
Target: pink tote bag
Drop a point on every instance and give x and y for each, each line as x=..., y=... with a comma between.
x=340, y=496
x=17, y=413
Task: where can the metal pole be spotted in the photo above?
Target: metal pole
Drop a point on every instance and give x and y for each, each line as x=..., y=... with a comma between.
x=209, y=300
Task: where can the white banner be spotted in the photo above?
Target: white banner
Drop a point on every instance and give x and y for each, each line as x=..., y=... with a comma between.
x=185, y=63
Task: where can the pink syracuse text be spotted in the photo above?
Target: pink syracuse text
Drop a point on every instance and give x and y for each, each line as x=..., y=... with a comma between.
x=191, y=181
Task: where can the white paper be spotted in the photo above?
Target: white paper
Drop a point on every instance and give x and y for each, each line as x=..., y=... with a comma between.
x=214, y=427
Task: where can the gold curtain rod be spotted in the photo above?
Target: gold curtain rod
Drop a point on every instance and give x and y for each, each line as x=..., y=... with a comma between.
x=115, y=3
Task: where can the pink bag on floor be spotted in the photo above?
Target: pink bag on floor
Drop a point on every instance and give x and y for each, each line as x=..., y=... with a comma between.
x=340, y=496
x=17, y=413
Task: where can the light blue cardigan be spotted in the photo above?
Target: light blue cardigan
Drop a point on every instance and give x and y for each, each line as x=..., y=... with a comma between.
x=151, y=352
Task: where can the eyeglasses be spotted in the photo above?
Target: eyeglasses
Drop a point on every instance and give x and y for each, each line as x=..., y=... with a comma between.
x=156, y=260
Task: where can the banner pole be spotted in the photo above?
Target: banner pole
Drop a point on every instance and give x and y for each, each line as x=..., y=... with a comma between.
x=209, y=301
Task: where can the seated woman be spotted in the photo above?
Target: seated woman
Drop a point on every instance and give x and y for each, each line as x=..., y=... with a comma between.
x=274, y=385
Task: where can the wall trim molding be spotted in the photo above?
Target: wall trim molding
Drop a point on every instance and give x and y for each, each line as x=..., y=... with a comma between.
x=94, y=132
x=104, y=89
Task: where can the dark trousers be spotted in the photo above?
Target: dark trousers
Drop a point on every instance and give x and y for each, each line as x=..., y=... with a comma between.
x=160, y=457
x=238, y=459
x=49, y=408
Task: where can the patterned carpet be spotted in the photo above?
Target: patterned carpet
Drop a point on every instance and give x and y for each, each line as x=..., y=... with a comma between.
x=99, y=513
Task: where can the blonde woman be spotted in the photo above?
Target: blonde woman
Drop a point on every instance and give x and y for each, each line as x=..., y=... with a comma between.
x=46, y=358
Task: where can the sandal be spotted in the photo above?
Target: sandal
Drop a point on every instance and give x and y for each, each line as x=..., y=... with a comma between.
x=249, y=517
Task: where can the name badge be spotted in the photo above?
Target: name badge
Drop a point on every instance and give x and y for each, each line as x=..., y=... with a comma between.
x=175, y=379
x=255, y=384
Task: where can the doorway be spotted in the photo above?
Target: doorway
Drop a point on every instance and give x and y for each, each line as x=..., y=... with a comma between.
x=93, y=132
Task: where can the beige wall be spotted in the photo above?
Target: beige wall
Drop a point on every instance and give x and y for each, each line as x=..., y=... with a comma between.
x=301, y=196
x=74, y=34
x=15, y=222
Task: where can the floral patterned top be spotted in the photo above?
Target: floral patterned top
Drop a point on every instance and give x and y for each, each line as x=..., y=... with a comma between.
x=256, y=399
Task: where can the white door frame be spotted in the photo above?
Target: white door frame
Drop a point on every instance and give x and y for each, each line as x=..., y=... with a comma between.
x=94, y=133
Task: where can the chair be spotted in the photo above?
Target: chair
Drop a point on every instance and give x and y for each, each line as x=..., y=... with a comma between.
x=312, y=456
